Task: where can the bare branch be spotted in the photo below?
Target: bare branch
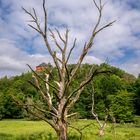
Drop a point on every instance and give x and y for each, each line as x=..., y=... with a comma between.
x=39, y=88
x=20, y=103
x=41, y=110
x=86, y=126
x=88, y=45
x=92, y=110
x=70, y=115
x=73, y=72
x=77, y=129
x=47, y=88
x=42, y=118
x=96, y=5
x=36, y=18
x=60, y=36
x=56, y=60
x=88, y=78
x=46, y=97
x=66, y=40
x=95, y=115
x=45, y=18
x=44, y=34
x=34, y=85
x=42, y=78
x=80, y=129
x=34, y=28
x=71, y=98
x=107, y=25
x=69, y=54
x=67, y=71
x=54, y=38
x=30, y=14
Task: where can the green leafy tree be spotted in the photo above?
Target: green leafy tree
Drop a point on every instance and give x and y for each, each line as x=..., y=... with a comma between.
x=122, y=106
x=137, y=95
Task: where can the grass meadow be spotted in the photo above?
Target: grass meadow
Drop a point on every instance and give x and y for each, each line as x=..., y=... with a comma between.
x=39, y=130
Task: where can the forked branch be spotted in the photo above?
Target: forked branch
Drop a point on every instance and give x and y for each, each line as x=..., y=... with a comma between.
x=95, y=31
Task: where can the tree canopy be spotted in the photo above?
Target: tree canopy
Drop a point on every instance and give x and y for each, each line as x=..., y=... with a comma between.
x=115, y=91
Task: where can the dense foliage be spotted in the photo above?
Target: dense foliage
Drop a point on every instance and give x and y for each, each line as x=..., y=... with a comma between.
x=119, y=92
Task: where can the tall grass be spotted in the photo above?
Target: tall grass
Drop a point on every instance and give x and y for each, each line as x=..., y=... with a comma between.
x=39, y=130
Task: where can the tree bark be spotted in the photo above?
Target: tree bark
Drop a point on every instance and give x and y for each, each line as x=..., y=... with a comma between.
x=62, y=132
x=101, y=132
x=62, y=121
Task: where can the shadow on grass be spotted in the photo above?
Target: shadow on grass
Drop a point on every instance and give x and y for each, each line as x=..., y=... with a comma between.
x=37, y=136
x=34, y=136
x=4, y=136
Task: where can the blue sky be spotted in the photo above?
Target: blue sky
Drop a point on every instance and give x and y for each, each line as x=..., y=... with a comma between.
x=20, y=45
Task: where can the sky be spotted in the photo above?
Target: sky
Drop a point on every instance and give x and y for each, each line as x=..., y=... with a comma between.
x=21, y=45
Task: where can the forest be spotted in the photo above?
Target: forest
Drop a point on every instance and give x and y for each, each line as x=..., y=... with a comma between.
x=117, y=91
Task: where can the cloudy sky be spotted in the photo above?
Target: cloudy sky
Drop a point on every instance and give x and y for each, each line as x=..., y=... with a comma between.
x=119, y=44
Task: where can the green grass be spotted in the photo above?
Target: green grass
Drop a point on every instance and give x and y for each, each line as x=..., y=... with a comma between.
x=20, y=129
x=39, y=130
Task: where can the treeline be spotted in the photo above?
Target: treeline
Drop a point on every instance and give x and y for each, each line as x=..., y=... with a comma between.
x=117, y=91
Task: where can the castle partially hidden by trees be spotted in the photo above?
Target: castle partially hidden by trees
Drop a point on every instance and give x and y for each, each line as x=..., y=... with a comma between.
x=41, y=67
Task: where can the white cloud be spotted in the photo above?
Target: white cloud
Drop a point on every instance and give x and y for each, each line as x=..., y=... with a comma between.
x=13, y=60
x=92, y=60
x=134, y=67
x=79, y=16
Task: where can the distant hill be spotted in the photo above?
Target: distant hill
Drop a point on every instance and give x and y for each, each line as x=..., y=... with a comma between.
x=117, y=85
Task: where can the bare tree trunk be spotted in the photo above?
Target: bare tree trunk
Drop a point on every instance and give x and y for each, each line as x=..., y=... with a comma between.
x=61, y=123
x=101, y=132
x=62, y=132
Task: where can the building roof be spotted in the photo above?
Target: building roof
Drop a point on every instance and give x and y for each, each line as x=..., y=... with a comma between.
x=42, y=65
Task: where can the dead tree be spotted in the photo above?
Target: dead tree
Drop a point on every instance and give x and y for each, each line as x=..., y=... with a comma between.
x=101, y=124
x=59, y=111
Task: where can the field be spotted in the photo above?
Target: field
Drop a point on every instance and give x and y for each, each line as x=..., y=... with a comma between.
x=38, y=130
